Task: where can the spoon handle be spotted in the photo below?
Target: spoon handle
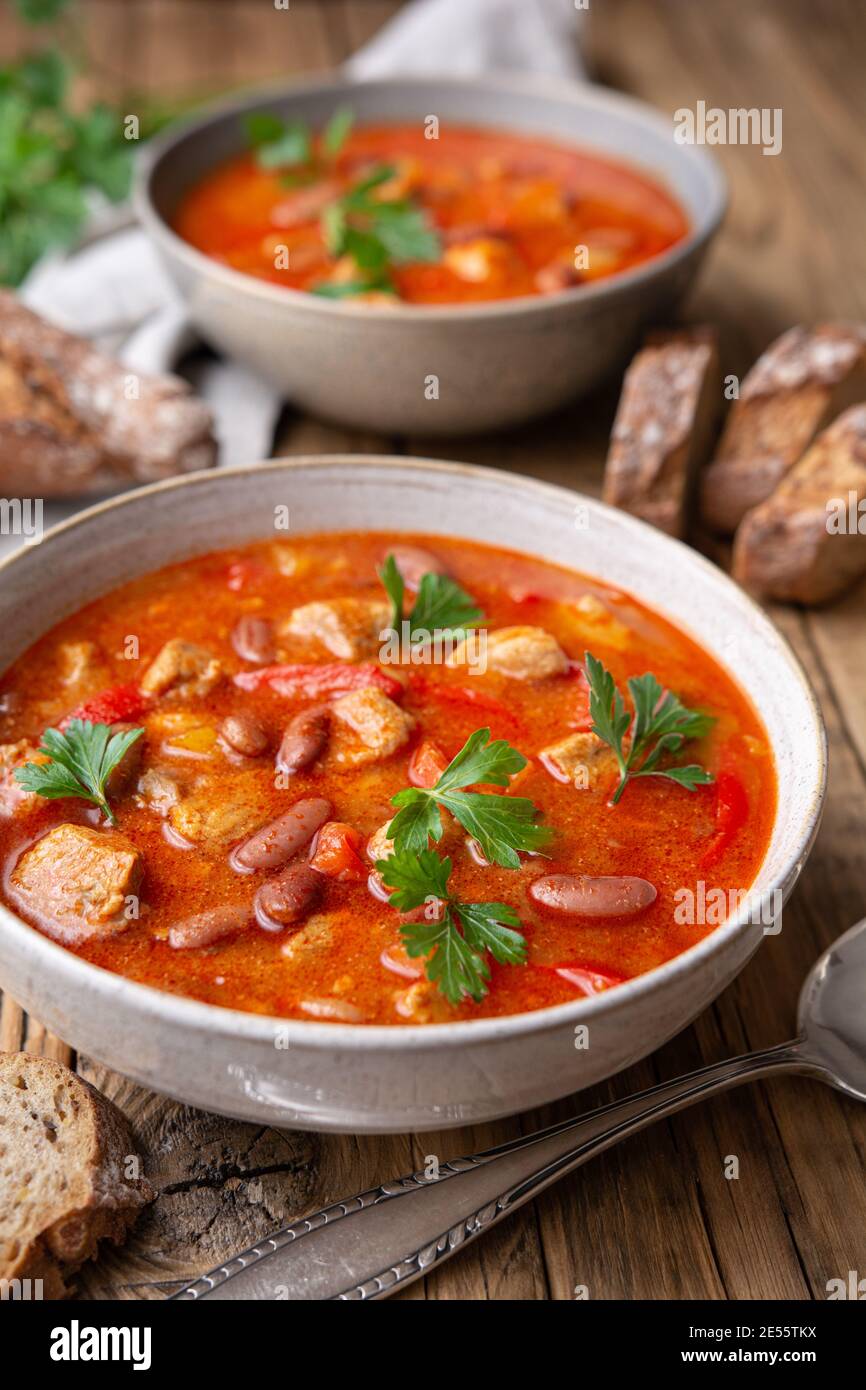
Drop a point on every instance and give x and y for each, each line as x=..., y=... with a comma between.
x=371, y=1244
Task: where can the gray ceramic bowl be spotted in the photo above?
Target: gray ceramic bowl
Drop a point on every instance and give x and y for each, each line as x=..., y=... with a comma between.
x=497, y=363
x=335, y=1076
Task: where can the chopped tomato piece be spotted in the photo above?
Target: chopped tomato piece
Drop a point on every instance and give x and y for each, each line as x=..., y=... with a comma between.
x=732, y=809
x=338, y=852
x=119, y=705
x=331, y=678
x=426, y=765
x=587, y=981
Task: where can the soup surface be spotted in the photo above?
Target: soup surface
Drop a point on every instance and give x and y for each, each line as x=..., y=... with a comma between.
x=469, y=216
x=277, y=730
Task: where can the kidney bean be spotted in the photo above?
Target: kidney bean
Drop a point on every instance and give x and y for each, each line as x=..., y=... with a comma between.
x=413, y=563
x=253, y=639
x=207, y=927
x=580, y=895
x=243, y=733
x=276, y=842
x=303, y=740
x=288, y=897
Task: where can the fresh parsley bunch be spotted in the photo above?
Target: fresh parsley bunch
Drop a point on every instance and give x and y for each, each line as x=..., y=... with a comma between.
x=457, y=942
x=82, y=758
x=661, y=725
x=441, y=605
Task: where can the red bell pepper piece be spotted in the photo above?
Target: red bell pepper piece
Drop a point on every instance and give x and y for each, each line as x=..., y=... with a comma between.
x=338, y=852
x=463, y=695
x=732, y=809
x=426, y=765
x=122, y=704
x=333, y=678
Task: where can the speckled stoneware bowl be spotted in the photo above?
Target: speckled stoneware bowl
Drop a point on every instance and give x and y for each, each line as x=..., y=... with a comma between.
x=497, y=363
x=335, y=1076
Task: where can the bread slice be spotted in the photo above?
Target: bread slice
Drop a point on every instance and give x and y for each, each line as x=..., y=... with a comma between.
x=65, y=1152
x=807, y=541
x=663, y=429
x=72, y=420
x=801, y=383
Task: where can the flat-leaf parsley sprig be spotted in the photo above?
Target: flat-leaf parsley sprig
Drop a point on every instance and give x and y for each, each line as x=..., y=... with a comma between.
x=457, y=942
x=502, y=825
x=82, y=758
x=440, y=605
x=660, y=725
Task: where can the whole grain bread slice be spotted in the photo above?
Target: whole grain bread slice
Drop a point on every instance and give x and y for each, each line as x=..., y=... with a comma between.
x=73, y=420
x=663, y=429
x=799, y=384
x=65, y=1158
x=805, y=544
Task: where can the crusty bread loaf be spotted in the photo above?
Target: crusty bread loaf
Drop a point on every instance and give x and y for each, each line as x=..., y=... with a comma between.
x=72, y=420
x=662, y=433
x=804, y=543
x=64, y=1156
x=801, y=383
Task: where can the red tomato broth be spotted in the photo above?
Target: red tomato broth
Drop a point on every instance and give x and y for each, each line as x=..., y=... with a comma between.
x=658, y=831
x=534, y=199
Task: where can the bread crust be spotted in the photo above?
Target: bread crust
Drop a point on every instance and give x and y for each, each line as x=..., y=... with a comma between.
x=663, y=428
x=73, y=420
x=795, y=389
x=787, y=548
x=51, y=1222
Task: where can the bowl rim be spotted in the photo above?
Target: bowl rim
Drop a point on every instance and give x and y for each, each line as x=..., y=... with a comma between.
x=704, y=225
x=216, y=1018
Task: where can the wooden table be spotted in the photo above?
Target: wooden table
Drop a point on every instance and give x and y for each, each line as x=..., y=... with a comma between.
x=656, y=1218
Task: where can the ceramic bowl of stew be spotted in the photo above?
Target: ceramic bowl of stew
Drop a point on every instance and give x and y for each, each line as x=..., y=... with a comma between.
x=324, y=1022
x=525, y=180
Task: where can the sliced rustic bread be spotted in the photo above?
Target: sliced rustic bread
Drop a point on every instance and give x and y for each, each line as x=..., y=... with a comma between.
x=804, y=543
x=65, y=1152
x=662, y=433
x=73, y=420
x=801, y=383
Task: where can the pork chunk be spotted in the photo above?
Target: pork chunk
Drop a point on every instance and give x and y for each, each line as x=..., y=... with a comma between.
x=214, y=823
x=524, y=653
x=348, y=627
x=13, y=796
x=367, y=726
x=77, y=881
x=182, y=668
x=582, y=759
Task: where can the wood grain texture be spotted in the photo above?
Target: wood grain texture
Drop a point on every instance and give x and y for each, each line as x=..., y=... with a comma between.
x=656, y=1218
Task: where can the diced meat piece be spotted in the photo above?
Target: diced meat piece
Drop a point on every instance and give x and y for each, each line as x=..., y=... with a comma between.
x=82, y=664
x=315, y=939
x=489, y=260
x=367, y=726
x=158, y=791
x=77, y=881
x=797, y=386
x=349, y=628
x=291, y=561
x=582, y=759
x=378, y=845
x=524, y=653
x=182, y=668
x=807, y=542
x=212, y=824
x=592, y=622
x=422, y=1003
x=13, y=797
x=663, y=428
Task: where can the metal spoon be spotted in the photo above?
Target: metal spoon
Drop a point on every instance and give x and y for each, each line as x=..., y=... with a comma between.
x=369, y=1245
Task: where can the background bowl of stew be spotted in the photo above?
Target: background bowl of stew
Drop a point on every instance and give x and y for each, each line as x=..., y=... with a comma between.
x=338, y=1076
x=497, y=363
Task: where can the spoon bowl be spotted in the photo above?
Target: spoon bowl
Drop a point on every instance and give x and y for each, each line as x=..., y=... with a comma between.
x=832, y=1013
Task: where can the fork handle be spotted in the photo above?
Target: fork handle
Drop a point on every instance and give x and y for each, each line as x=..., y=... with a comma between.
x=380, y=1240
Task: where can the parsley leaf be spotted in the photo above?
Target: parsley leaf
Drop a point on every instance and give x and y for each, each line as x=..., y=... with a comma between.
x=336, y=131
x=440, y=605
x=660, y=720
x=291, y=146
x=378, y=232
x=82, y=759
x=457, y=940
x=502, y=825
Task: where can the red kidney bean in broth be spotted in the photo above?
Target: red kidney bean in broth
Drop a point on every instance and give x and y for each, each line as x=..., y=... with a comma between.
x=277, y=842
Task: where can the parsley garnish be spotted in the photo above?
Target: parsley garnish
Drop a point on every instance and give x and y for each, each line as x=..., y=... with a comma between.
x=457, y=943
x=280, y=144
x=82, y=759
x=502, y=825
x=378, y=233
x=440, y=605
x=658, y=715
